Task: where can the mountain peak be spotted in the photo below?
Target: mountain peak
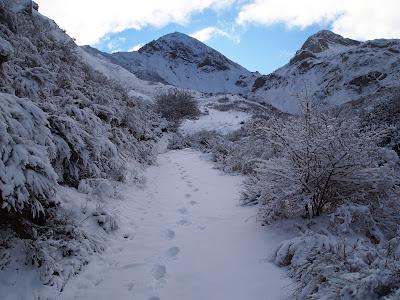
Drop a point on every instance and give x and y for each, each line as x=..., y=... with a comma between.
x=172, y=41
x=325, y=39
x=177, y=36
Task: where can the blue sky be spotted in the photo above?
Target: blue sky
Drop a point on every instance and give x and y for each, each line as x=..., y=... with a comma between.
x=261, y=35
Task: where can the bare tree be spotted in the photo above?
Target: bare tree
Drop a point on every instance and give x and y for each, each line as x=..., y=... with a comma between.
x=323, y=162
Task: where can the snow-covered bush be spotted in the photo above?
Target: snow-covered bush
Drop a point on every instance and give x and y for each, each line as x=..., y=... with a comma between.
x=96, y=127
x=323, y=161
x=387, y=113
x=6, y=51
x=101, y=189
x=106, y=220
x=60, y=250
x=61, y=122
x=350, y=259
x=27, y=179
x=175, y=105
x=238, y=152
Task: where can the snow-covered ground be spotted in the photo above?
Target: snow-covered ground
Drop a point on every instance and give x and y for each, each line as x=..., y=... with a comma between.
x=221, y=121
x=184, y=236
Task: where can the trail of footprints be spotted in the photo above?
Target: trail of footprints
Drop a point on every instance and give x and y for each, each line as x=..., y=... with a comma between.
x=160, y=271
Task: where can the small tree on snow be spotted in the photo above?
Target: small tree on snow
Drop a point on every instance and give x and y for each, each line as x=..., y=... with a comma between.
x=175, y=105
x=323, y=162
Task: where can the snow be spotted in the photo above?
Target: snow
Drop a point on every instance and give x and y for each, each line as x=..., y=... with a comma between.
x=220, y=121
x=137, y=88
x=184, y=236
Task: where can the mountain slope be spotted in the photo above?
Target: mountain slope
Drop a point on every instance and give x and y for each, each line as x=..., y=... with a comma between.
x=331, y=70
x=183, y=61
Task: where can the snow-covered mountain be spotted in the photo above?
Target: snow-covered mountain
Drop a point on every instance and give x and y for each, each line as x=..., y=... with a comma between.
x=332, y=70
x=185, y=62
x=329, y=69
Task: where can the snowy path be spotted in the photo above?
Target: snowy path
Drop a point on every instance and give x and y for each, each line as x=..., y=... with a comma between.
x=184, y=237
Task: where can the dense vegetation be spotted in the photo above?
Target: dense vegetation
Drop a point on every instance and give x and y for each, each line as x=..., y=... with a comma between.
x=61, y=123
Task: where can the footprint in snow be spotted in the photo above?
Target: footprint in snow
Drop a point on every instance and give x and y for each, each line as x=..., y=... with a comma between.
x=188, y=195
x=132, y=266
x=193, y=202
x=184, y=222
x=196, y=190
x=154, y=298
x=98, y=281
x=159, y=272
x=170, y=234
x=130, y=286
x=183, y=210
x=173, y=252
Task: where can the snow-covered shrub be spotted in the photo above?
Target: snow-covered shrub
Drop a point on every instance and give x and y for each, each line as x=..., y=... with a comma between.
x=6, y=51
x=177, y=141
x=60, y=121
x=322, y=162
x=350, y=259
x=101, y=189
x=60, y=250
x=387, y=113
x=175, y=105
x=27, y=179
x=237, y=152
x=105, y=219
x=96, y=127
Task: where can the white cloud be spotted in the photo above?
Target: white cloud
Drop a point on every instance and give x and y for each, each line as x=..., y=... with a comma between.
x=114, y=45
x=208, y=33
x=136, y=47
x=360, y=19
x=90, y=20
